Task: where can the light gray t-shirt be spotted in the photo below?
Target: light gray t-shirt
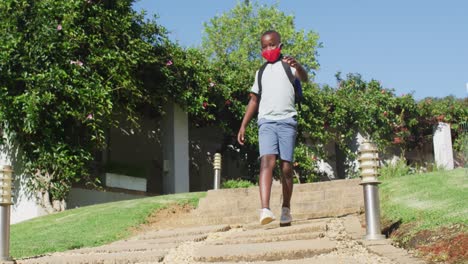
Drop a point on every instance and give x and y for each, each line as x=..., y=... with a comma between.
x=277, y=98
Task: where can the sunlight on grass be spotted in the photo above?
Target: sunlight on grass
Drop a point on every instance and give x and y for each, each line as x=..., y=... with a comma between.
x=431, y=199
x=88, y=226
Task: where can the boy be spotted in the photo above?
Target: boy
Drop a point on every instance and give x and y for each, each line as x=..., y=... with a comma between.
x=277, y=123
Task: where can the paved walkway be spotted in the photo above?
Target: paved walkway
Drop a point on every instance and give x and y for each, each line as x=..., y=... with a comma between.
x=224, y=229
x=321, y=241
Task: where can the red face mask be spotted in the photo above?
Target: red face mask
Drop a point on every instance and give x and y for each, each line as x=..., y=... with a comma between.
x=271, y=55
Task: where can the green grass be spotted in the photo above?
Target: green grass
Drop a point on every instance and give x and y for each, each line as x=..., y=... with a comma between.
x=239, y=183
x=88, y=226
x=429, y=200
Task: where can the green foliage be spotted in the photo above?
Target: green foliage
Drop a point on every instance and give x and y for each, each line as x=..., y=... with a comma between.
x=462, y=145
x=305, y=163
x=367, y=107
x=66, y=69
x=51, y=170
x=190, y=82
x=232, y=44
x=449, y=110
x=88, y=226
x=396, y=169
x=389, y=120
x=239, y=183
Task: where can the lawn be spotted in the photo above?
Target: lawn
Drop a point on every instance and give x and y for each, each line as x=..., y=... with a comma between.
x=88, y=226
x=433, y=199
x=430, y=213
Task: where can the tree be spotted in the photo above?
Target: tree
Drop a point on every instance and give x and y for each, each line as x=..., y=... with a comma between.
x=337, y=114
x=232, y=44
x=67, y=68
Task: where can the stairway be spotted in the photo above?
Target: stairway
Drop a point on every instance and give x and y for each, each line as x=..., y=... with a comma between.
x=310, y=200
x=241, y=239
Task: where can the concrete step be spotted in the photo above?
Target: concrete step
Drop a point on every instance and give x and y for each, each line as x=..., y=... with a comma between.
x=136, y=246
x=306, y=187
x=272, y=251
x=332, y=196
x=182, y=231
x=335, y=191
x=214, y=220
x=99, y=258
x=329, y=258
x=268, y=239
x=254, y=217
x=296, y=203
x=257, y=234
x=324, y=206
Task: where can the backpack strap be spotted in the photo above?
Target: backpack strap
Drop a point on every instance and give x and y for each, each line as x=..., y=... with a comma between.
x=288, y=71
x=295, y=83
x=259, y=78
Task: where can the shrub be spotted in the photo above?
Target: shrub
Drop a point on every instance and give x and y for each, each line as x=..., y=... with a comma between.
x=67, y=68
x=305, y=163
x=238, y=183
x=397, y=169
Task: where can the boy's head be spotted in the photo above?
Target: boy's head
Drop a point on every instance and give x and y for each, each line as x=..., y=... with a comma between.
x=270, y=39
x=271, y=45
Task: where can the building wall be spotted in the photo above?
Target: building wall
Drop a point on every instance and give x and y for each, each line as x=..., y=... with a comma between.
x=175, y=150
x=24, y=205
x=139, y=151
x=80, y=197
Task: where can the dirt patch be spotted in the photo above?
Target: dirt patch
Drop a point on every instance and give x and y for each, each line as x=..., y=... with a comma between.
x=453, y=250
x=164, y=218
x=443, y=245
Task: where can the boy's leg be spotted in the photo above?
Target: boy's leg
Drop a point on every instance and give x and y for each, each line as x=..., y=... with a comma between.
x=266, y=178
x=268, y=144
x=286, y=140
x=287, y=182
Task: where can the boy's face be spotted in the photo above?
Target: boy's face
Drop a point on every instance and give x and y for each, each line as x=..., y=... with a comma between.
x=270, y=41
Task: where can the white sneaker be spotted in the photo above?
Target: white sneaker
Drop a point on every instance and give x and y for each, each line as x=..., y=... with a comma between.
x=266, y=216
x=286, y=217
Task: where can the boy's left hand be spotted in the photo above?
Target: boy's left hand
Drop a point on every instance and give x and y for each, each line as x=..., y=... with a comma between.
x=291, y=61
x=301, y=74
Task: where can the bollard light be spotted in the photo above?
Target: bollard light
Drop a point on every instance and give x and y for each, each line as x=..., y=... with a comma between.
x=5, y=203
x=369, y=165
x=5, y=185
x=217, y=171
x=368, y=161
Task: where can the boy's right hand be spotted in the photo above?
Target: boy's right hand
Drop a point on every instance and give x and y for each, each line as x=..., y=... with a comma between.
x=241, y=136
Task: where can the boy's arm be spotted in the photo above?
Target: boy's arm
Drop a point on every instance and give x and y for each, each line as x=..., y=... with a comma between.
x=251, y=110
x=301, y=73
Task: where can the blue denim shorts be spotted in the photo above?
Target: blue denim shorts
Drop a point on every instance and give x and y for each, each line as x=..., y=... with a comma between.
x=277, y=137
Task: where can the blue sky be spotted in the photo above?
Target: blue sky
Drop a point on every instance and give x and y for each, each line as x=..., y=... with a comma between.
x=418, y=46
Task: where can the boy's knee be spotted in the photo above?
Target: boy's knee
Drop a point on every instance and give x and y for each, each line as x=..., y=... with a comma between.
x=267, y=161
x=287, y=169
x=287, y=174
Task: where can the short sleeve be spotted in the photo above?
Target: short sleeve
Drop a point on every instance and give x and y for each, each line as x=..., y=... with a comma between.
x=255, y=84
x=293, y=70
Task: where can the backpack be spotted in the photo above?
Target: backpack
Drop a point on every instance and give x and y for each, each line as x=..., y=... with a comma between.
x=294, y=81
